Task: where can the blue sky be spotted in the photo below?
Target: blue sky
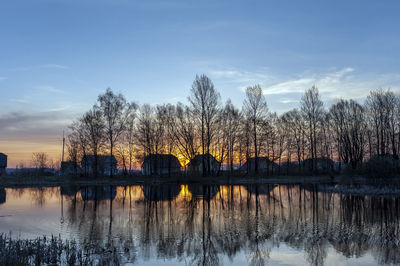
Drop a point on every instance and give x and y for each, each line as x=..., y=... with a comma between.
x=56, y=56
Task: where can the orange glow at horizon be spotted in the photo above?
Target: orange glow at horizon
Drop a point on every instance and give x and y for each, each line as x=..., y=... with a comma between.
x=21, y=151
x=182, y=159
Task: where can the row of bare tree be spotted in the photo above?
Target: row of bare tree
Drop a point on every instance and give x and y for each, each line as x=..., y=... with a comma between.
x=348, y=132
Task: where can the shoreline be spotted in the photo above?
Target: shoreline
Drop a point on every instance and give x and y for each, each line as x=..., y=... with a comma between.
x=50, y=181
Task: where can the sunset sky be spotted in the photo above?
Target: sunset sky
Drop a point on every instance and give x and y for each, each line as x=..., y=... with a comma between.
x=56, y=56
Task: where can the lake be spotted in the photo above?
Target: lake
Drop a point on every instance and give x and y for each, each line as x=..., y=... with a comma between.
x=193, y=224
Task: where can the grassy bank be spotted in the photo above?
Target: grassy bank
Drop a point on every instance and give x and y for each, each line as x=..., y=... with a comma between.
x=54, y=251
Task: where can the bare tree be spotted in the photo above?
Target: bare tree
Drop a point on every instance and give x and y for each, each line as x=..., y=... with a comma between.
x=294, y=128
x=40, y=160
x=381, y=106
x=205, y=100
x=93, y=131
x=244, y=141
x=130, y=138
x=78, y=132
x=255, y=110
x=145, y=129
x=116, y=113
x=312, y=111
x=232, y=116
x=348, y=131
x=184, y=132
x=73, y=147
x=160, y=126
x=349, y=125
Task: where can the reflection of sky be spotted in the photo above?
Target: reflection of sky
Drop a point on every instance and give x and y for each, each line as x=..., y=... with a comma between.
x=31, y=213
x=36, y=212
x=57, y=56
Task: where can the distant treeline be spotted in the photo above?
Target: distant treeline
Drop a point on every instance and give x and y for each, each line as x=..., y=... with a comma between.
x=348, y=132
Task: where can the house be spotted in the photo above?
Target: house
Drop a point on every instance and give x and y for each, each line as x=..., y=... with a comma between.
x=322, y=165
x=3, y=163
x=288, y=168
x=160, y=164
x=264, y=164
x=103, y=164
x=382, y=166
x=211, y=164
x=70, y=168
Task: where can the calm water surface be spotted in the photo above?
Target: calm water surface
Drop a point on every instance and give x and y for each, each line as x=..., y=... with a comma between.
x=213, y=225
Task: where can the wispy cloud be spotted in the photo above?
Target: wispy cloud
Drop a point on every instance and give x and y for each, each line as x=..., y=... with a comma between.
x=53, y=66
x=33, y=125
x=49, y=89
x=288, y=100
x=337, y=83
x=61, y=108
x=18, y=101
x=2, y=78
x=327, y=82
x=241, y=79
x=289, y=86
x=240, y=76
x=344, y=83
x=47, y=66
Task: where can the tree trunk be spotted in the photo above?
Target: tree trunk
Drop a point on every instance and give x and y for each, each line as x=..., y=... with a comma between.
x=255, y=147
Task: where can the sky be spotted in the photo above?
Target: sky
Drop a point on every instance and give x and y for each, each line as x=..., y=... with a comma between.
x=57, y=56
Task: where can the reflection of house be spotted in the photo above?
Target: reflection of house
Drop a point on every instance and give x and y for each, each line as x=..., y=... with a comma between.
x=88, y=164
x=69, y=168
x=260, y=189
x=69, y=190
x=160, y=164
x=196, y=164
x=3, y=163
x=203, y=191
x=98, y=193
x=264, y=164
x=161, y=192
x=2, y=195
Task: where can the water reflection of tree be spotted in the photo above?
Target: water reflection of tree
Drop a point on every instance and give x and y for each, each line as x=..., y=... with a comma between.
x=37, y=195
x=259, y=256
x=253, y=220
x=3, y=195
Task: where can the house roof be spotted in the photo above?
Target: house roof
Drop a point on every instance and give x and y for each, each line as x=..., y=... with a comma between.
x=90, y=157
x=163, y=160
x=259, y=159
x=250, y=163
x=198, y=159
